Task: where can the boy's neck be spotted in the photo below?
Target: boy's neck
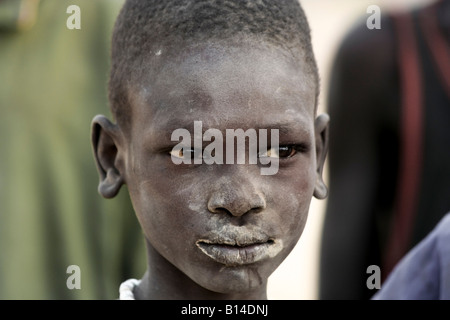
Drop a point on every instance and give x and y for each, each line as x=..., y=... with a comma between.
x=163, y=281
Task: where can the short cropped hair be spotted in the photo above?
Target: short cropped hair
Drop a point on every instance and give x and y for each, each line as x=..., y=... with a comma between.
x=142, y=26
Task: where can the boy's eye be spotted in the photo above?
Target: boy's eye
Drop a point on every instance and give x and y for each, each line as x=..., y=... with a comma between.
x=185, y=153
x=281, y=152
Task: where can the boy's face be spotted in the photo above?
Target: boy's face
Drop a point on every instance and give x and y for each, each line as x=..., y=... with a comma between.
x=226, y=226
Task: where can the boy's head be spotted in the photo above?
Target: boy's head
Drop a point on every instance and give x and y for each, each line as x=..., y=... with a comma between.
x=147, y=32
x=231, y=65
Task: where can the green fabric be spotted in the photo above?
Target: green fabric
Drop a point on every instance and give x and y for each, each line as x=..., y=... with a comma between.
x=53, y=81
x=9, y=14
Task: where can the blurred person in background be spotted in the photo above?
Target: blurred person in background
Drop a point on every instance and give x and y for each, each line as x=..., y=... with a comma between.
x=53, y=80
x=389, y=160
x=423, y=273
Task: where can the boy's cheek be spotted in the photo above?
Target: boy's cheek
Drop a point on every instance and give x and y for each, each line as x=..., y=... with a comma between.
x=298, y=180
x=180, y=192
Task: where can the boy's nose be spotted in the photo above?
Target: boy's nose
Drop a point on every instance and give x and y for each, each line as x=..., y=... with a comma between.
x=236, y=199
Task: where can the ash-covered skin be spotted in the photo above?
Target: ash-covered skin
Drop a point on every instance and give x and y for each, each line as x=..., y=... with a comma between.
x=180, y=206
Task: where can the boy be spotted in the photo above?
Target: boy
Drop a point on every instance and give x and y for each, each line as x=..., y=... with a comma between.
x=212, y=230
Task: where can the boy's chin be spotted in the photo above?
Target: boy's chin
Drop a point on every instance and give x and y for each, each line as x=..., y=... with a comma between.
x=243, y=279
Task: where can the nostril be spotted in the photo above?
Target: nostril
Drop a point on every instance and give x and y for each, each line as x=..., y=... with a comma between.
x=217, y=207
x=257, y=209
x=219, y=210
x=236, y=211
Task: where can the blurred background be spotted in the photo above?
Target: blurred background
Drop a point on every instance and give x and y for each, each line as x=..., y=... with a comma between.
x=52, y=82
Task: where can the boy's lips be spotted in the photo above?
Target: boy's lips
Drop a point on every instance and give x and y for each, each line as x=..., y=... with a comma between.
x=235, y=252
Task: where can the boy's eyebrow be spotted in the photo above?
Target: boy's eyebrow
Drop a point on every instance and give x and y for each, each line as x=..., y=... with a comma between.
x=292, y=127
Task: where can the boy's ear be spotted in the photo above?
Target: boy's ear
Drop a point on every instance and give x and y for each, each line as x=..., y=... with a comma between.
x=321, y=131
x=105, y=138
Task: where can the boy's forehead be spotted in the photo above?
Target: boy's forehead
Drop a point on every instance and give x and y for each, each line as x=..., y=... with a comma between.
x=225, y=86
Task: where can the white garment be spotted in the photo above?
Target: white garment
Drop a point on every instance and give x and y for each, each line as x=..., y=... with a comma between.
x=126, y=289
